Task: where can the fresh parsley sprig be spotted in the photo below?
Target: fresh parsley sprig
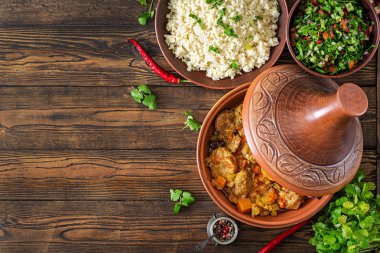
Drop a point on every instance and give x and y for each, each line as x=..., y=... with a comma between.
x=197, y=19
x=351, y=223
x=143, y=95
x=183, y=198
x=214, y=49
x=237, y=18
x=144, y=17
x=191, y=123
x=234, y=65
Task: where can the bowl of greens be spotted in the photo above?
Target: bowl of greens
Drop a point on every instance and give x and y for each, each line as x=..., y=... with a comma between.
x=330, y=38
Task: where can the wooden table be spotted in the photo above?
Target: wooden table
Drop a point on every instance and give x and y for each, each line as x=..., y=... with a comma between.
x=83, y=168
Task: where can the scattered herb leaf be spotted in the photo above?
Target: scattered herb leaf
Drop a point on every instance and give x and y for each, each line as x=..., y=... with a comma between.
x=191, y=123
x=175, y=194
x=144, y=17
x=237, y=18
x=234, y=65
x=184, y=198
x=142, y=2
x=222, y=12
x=144, y=95
x=259, y=17
x=214, y=49
x=351, y=222
x=227, y=29
x=197, y=19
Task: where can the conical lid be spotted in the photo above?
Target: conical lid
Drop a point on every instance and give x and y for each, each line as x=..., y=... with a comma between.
x=303, y=130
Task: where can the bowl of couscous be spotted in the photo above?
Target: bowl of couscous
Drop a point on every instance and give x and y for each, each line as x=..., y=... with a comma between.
x=221, y=44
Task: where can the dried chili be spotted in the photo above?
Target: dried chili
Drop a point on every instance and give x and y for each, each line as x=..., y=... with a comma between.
x=270, y=246
x=154, y=66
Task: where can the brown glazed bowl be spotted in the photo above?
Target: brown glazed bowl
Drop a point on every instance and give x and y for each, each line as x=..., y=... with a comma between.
x=284, y=219
x=199, y=77
x=375, y=38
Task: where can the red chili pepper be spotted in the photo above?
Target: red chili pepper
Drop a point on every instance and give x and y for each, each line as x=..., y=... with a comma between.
x=154, y=66
x=270, y=246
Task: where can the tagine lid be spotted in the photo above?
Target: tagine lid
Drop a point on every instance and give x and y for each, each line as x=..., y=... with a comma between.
x=304, y=131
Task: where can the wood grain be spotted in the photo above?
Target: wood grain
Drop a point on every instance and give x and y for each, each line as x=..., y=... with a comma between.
x=94, y=56
x=97, y=126
x=85, y=169
x=116, y=225
x=72, y=12
x=107, y=175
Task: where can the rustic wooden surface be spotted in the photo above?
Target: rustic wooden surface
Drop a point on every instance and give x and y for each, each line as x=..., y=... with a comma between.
x=85, y=169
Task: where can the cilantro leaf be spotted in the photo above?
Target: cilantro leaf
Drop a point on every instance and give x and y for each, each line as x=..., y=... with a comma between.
x=143, y=18
x=184, y=198
x=150, y=102
x=351, y=221
x=191, y=123
x=234, y=65
x=214, y=49
x=143, y=95
x=142, y=2
x=197, y=19
x=237, y=18
x=144, y=89
x=175, y=194
x=187, y=199
x=137, y=96
x=177, y=208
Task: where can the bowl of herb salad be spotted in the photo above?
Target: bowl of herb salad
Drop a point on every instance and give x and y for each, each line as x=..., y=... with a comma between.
x=330, y=38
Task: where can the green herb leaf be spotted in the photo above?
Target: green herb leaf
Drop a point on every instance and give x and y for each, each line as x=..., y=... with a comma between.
x=191, y=123
x=234, y=65
x=177, y=208
x=175, y=194
x=197, y=19
x=150, y=101
x=237, y=18
x=259, y=18
x=137, y=95
x=143, y=18
x=214, y=49
x=351, y=221
x=144, y=89
x=142, y=2
x=185, y=199
x=143, y=95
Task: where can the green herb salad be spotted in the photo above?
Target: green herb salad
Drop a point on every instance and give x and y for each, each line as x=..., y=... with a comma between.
x=330, y=36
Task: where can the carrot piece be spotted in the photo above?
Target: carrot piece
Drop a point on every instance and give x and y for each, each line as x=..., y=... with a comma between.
x=244, y=205
x=325, y=35
x=257, y=169
x=370, y=29
x=320, y=11
x=315, y=2
x=351, y=64
x=219, y=182
x=344, y=25
x=332, y=35
x=332, y=69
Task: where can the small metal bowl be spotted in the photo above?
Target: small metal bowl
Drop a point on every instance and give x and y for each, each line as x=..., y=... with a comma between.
x=210, y=228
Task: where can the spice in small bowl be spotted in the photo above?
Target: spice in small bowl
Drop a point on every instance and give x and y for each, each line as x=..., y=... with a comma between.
x=223, y=230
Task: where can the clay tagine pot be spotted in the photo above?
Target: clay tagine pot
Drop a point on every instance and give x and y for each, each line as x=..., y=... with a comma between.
x=302, y=130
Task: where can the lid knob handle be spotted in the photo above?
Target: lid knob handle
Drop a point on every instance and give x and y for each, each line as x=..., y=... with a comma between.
x=352, y=100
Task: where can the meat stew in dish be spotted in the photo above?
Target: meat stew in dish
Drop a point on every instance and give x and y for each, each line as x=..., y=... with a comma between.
x=235, y=171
